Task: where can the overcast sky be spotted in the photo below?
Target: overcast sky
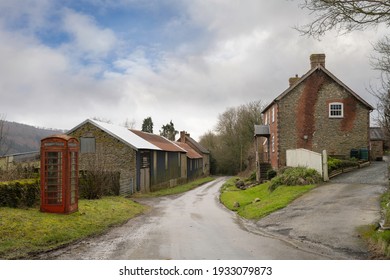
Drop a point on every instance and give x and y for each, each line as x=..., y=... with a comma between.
x=62, y=62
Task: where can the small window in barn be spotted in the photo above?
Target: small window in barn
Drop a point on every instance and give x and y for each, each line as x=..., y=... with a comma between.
x=265, y=121
x=87, y=145
x=273, y=114
x=273, y=143
x=336, y=110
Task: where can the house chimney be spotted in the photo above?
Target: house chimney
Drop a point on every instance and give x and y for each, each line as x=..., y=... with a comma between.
x=293, y=80
x=317, y=59
x=183, y=136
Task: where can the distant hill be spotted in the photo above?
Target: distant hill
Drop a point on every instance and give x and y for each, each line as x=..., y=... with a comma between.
x=20, y=138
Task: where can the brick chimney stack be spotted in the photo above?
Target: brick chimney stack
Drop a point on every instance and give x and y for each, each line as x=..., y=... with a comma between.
x=317, y=59
x=293, y=80
x=183, y=135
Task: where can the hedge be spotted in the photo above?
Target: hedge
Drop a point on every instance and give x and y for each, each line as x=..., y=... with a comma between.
x=19, y=194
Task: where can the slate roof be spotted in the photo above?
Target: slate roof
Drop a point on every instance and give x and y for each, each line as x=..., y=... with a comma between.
x=376, y=134
x=121, y=133
x=304, y=77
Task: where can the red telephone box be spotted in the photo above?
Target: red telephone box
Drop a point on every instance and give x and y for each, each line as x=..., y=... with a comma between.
x=59, y=174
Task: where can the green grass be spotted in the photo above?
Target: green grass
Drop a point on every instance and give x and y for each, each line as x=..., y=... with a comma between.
x=24, y=232
x=269, y=201
x=379, y=239
x=176, y=190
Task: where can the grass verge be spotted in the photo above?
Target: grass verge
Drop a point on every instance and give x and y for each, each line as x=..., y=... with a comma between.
x=176, y=190
x=24, y=232
x=377, y=238
x=246, y=203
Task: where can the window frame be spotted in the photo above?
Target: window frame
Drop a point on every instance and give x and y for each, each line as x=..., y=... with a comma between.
x=330, y=110
x=87, y=145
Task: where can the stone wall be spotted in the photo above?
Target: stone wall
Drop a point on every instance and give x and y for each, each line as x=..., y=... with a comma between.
x=304, y=119
x=111, y=155
x=376, y=150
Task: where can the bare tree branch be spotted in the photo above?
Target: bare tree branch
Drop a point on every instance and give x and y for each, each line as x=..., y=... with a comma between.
x=344, y=16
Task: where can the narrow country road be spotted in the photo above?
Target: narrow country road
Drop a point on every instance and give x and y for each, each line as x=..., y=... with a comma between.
x=319, y=225
x=193, y=226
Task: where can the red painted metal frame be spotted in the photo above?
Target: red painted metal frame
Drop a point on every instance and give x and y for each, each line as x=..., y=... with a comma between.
x=56, y=158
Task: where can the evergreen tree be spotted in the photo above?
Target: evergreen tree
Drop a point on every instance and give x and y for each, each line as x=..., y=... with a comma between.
x=147, y=125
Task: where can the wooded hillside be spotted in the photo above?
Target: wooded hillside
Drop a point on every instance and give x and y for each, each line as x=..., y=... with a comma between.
x=19, y=138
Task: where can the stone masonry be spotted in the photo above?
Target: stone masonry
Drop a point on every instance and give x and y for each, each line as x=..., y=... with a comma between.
x=302, y=116
x=111, y=155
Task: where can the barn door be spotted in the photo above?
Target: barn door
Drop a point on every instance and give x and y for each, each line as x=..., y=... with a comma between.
x=145, y=171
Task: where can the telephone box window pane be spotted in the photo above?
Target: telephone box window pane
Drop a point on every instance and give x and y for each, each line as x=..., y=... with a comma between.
x=73, y=177
x=53, y=178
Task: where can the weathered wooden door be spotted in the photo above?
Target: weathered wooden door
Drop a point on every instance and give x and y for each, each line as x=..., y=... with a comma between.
x=145, y=171
x=145, y=179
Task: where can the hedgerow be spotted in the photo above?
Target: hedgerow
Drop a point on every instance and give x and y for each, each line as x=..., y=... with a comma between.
x=19, y=194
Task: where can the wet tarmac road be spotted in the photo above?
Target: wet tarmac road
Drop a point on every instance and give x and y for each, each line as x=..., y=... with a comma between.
x=327, y=218
x=193, y=225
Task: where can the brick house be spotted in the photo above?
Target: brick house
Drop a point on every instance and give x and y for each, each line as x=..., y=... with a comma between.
x=317, y=112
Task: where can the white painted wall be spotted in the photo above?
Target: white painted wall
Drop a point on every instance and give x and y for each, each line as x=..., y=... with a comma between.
x=306, y=158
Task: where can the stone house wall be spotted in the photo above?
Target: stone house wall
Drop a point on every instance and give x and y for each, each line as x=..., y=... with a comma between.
x=376, y=150
x=111, y=155
x=304, y=119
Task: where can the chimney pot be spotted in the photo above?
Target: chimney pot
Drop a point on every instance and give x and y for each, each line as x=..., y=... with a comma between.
x=317, y=59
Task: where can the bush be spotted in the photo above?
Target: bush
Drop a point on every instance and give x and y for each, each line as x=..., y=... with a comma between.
x=295, y=176
x=335, y=164
x=19, y=194
x=271, y=174
x=95, y=184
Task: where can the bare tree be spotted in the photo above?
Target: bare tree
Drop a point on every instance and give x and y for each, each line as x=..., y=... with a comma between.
x=344, y=15
x=129, y=124
x=231, y=145
x=349, y=15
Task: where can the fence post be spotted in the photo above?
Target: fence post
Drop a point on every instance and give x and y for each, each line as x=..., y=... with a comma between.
x=325, y=165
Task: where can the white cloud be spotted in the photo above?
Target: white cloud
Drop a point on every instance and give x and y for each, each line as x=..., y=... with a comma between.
x=241, y=53
x=88, y=38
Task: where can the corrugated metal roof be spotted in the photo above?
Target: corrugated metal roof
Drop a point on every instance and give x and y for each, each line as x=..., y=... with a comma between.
x=376, y=133
x=159, y=141
x=121, y=133
x=191, y=153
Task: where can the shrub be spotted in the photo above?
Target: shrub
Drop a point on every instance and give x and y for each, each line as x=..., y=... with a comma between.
x=295, y=176
x=334, y=163
x=95, y=184
x=18, y=194
x=252, y=177
x=271, y=174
